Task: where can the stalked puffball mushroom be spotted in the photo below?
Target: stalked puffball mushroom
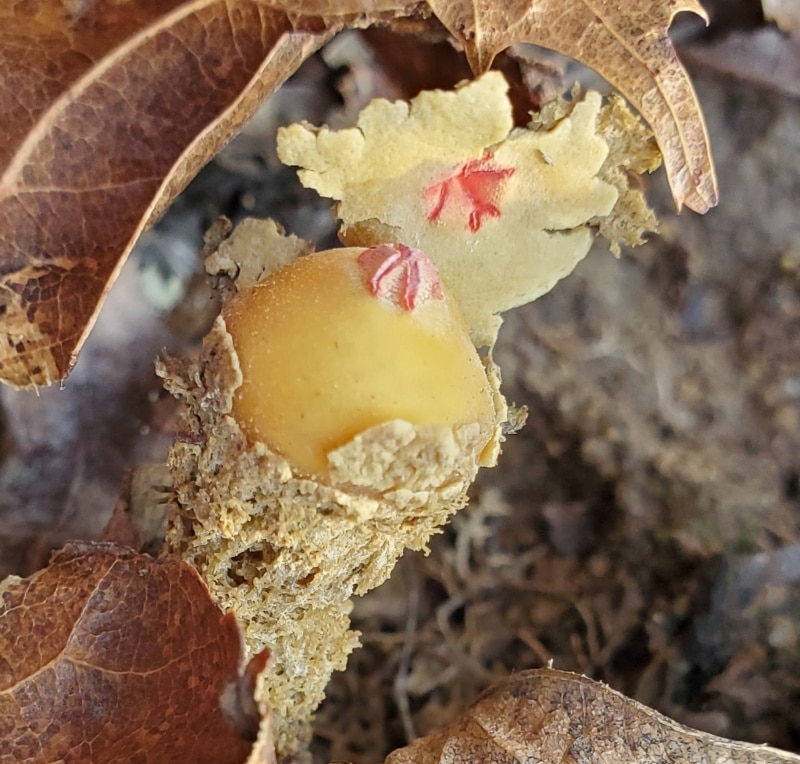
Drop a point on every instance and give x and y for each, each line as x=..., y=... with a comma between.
x=336, y=416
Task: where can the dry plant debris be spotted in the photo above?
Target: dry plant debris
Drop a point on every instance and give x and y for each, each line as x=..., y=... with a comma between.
x=554, y=716
x=107, y=655
x=109, y=112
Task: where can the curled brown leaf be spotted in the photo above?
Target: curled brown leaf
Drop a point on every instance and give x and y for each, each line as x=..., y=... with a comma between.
x=546, y=715
x=110, y=112
x=627, y=43
x=108, y=655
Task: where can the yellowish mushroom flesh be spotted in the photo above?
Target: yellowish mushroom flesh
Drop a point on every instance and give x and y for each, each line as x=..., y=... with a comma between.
x=323, y=359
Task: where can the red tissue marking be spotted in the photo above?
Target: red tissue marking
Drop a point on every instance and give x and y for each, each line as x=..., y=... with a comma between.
x=403, y=275
x=477, y=182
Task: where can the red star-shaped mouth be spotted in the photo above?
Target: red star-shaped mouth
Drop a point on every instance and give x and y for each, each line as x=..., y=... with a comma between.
x=404, y=276
x=475, y=185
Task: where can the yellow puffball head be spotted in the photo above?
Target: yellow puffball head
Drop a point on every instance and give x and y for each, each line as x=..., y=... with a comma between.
x=323, y=359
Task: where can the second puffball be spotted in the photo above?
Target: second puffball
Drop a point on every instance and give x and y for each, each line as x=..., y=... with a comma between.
x=339, y=341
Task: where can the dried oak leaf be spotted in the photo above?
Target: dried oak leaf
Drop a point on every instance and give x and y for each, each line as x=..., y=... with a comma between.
x=546, y=715
x=107, y=655
x=627, y=43
x=108, y=109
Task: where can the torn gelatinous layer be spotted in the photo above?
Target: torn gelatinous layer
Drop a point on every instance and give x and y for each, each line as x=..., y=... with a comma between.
x=503, y=213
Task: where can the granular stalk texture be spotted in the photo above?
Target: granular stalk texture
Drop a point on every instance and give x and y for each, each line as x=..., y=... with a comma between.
x=286, y=552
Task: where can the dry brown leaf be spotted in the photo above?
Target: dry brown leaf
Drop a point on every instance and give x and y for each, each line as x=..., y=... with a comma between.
x=108, y=110
x=546, y=715
x=627, y=43
x=107, y=655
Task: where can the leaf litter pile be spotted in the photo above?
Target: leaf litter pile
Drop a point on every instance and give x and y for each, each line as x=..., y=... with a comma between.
x=641, y=529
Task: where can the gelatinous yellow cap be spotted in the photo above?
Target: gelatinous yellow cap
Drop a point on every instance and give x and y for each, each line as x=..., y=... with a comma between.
x=340, y=341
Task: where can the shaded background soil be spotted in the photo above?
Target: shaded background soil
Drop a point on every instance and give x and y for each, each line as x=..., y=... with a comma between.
x=643, y=528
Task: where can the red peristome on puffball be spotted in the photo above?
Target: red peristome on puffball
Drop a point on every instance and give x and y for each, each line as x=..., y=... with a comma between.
x=403, y=275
